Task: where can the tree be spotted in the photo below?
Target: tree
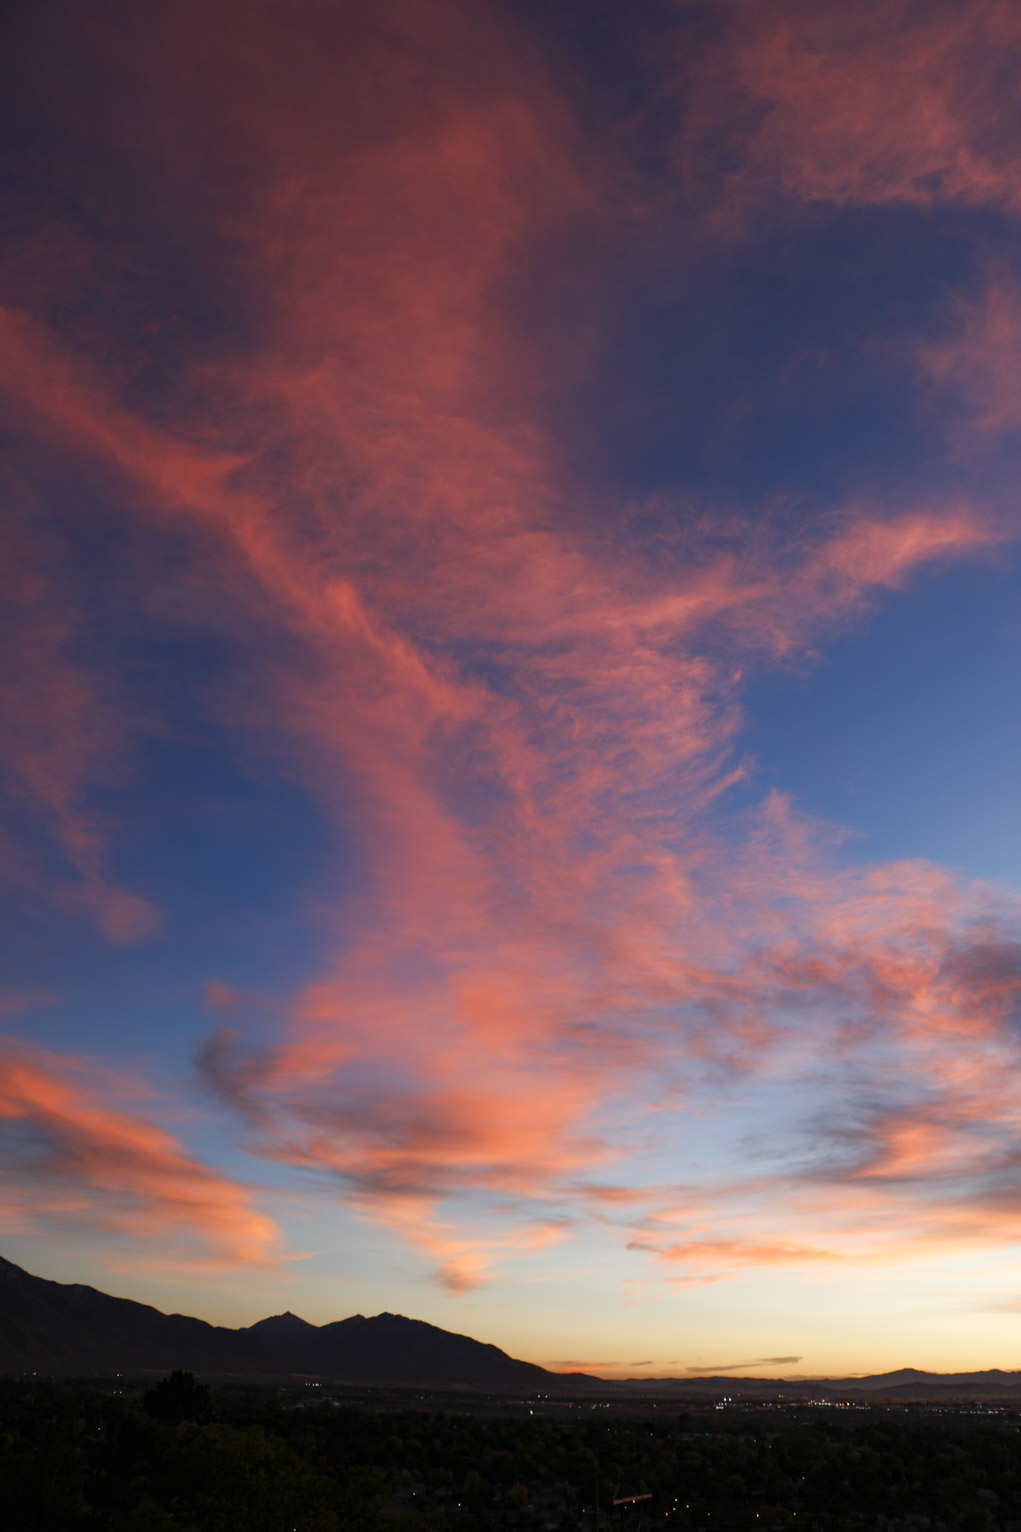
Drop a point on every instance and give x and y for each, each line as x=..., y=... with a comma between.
x=178, y=1398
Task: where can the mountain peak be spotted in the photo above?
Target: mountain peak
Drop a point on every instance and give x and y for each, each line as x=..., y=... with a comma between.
x=282, y=1324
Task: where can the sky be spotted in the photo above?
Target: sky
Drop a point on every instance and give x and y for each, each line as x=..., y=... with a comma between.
x=510, y=671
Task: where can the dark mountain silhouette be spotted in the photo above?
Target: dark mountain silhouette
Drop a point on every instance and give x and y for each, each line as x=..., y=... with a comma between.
x=392, y=1349
x=908, y=1377
x=907, y=1383
x=279, y=1324
x=61, y=1328
x=65, y=1329
x=58, y=1327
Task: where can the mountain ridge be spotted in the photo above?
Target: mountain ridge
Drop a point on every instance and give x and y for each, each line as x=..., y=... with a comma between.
x=71, y=1328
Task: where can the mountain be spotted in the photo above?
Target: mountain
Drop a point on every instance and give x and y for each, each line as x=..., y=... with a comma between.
x=909, y=1383
x=278, y=1325
x=65, y=1328
x=392, y=1349
x=58, y=1327
x=905, y=1385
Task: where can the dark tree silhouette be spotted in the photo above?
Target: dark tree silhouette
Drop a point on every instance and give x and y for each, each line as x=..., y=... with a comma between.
x=178, y=1398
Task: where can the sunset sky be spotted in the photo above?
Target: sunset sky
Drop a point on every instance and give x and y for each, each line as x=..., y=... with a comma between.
x=511, y=686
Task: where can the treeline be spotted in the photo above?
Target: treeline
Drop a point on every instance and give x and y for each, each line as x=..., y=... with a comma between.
x=179, y=1460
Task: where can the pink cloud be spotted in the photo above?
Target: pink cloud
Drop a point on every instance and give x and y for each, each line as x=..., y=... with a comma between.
x=886, y=102
x=82, y=1162
x=973, y=370
x=734, y=1252
x=525, y=728
x=62, y=738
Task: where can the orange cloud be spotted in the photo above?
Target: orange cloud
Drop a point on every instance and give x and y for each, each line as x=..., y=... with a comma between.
x=524, y=725
x=526, y=889
x=78, y=1161
x=733, y=1252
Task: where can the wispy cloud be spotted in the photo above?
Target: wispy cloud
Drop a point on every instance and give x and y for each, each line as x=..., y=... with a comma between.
x=62, y=738
x=72, y=1159
x=762, y=1361
x=885, y=104
x=524, y=724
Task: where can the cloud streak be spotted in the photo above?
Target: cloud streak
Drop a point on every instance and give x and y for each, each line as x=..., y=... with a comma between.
x=765, y=1361
x=71, y=1158
x=522, y=722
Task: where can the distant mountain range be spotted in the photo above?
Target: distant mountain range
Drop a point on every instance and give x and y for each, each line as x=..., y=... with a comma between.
x=65, y=1329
